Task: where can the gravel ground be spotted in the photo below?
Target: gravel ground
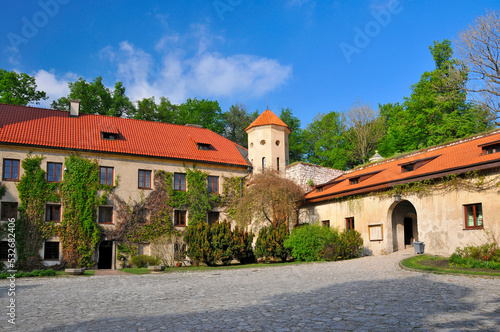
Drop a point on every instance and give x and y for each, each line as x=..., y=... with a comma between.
x=365, y=294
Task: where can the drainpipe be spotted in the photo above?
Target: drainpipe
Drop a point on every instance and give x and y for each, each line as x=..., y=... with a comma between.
x=249, y=169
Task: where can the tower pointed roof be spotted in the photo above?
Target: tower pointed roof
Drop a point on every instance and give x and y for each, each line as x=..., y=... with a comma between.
x=267, y=118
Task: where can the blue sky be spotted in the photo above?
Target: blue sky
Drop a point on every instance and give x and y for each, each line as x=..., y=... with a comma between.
x=311, y=56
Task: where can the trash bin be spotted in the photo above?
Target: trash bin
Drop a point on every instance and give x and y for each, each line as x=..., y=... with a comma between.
x=419, y=247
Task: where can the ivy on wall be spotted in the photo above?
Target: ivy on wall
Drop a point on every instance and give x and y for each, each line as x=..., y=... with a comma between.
x=31, y=228
x=81, y=195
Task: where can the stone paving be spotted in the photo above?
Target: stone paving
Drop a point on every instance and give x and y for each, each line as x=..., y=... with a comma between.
x=366, y=294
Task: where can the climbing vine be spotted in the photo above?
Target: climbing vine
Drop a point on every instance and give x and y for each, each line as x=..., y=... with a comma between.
x=81, y=194
x=232, y=191
x=31, y=228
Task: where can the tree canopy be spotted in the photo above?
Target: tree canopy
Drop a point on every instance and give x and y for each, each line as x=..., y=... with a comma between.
x=19, y=89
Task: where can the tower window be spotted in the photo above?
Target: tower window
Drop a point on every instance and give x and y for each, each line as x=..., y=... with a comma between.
x=263, y=164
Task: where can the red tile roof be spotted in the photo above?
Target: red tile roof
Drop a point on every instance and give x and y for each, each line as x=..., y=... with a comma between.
x=56, y=129
x=267, y=118
x=435, y=162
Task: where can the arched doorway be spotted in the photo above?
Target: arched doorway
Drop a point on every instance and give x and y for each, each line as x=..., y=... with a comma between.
x=105, y=258
x=404, y=225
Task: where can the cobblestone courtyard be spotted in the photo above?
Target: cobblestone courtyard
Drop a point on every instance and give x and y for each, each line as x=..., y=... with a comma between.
x=366, y=294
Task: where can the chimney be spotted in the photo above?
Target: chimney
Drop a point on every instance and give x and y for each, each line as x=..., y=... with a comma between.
x=74, y=107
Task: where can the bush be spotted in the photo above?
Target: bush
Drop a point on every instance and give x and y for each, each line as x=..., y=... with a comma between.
x=141, y=261
x=485, y=256
x=34, y=273
x=216, y=243
x=347, y=246
x=307, y=242
x=271, y=243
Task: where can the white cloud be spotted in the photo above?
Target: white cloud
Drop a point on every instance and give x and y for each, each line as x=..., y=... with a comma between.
x=54, y=87
x=203, y=74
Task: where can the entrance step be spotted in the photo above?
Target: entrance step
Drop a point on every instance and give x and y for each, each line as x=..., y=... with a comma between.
x=109, y=272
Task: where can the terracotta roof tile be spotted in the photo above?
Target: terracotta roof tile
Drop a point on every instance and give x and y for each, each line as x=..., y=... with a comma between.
x=452, y=158
x=51, y=128
x=267, y=118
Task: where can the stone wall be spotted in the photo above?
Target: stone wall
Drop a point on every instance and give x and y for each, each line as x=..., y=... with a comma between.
x=302, y=174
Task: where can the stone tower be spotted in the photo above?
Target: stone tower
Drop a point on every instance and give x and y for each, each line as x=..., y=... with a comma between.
x=268, y=143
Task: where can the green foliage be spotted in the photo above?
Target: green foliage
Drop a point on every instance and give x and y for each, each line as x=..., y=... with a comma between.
x=31, y=228
x=307, y=241
x=489, y=252
x=215, y=243
x=141, y=261
x=81, y=195
x=237, y=119
x=347, y=246
x=198, y=200
x=19, y=89
x=232, y=191
x=296, y=140
x=34, y=273
x=270, y=244
x=96, y=98
x=471, y=263
x=437, y=110
x=326, y=141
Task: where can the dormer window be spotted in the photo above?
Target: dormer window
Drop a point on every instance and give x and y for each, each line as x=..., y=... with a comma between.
x=109, y=136
x=492, y=147
x=203, y=146
x=354, y=180
x=416, y=164
x=319, y=189
x=408, y=168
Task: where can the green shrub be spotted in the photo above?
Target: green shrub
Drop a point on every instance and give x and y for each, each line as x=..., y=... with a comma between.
x=271, y=243
x=34, y=273
x=306, y=242
x=211, y=244
x=242, y=246
x=347, y=246
x=471, y=263
x=141, y=261
x=485, y=256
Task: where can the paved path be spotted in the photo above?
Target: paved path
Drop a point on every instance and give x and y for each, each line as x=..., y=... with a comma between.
x=366, y=294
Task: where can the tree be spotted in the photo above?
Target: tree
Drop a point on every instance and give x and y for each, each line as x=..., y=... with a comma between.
x=296, y=138
x=326, y=141
x=237, y=119
x=148, y=110
x=96, y=98
x=203, y=112
x=19, y=89
x=366, y=130
x=270, y=199
x=479, y=48
x=436, y=111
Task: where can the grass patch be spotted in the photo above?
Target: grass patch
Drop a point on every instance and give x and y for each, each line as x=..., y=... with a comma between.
x=442, y=265
x=136, y=270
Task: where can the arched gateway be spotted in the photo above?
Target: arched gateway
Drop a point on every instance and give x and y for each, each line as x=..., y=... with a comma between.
x=404, y=225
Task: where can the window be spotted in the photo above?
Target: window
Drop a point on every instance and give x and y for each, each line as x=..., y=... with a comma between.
x=105, y=215
x=54, y=171
x=180, y=181
x=278, y=164
x=319, y=189
x=51, y=251
x=213, y=184
x=180, y=218
x=325, y=223
x=491, y=147
x=9, y=210
x=349, y=223
x=106, y=175
x=53, y=213
x=263, y=164
x=144, y=179
x=109, y=136
x=4, y=250
x=473, y=216
x=213, y=217
x=203, y=146
x=408, y=168
x=11, y=169
x=354, y=181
